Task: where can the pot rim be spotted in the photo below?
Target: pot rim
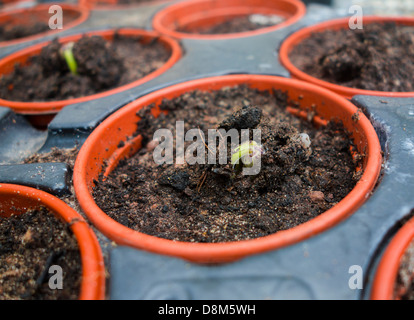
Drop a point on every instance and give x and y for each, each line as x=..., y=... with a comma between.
x=83, y=11
x=113, y=4
x=389, y=265
x=10, y=4
x=93, y=270
x=295, y=38
x=174, y=9
x=227, y=251
x=51, y=107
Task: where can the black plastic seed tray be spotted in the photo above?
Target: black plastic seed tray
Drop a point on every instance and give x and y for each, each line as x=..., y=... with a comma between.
x=317, y=268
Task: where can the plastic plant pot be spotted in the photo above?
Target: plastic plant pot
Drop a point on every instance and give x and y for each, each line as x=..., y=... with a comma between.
x=337, y=24
x=75, y=15
x=41, y=112
x=387, y=271
x=116, y=4
x=16, y=199
x=13, y=4
x=204, y=13
x=101, y=151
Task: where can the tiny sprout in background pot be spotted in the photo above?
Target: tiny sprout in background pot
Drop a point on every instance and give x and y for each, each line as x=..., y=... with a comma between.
x=246, y=154
x=67, y=54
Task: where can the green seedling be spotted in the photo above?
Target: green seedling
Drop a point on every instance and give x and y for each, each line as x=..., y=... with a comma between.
x=245, y=154
x=67, y=54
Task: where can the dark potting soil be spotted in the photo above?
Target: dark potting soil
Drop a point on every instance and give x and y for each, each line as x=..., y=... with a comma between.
x=234, y=25
x=29, y=244
x=55, y=155
x=378, y=57
x=11, y=32
x=28, y=24
x=102, y=65
x=69, y=156
x=214, y=203
x=120, y=2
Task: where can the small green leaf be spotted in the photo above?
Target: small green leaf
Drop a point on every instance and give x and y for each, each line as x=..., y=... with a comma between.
x=67, y=54
x=244, y=152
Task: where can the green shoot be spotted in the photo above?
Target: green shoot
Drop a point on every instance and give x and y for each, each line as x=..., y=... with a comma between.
x=67, y=54
x=246, y=153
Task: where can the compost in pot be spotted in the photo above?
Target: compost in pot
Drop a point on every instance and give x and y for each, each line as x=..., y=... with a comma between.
x=26, y=22
x=11, y=32
x=378, y=57
x=298, y=180
x=235, y=24
x=30, y=243
x=85, y=67
x=55, y=155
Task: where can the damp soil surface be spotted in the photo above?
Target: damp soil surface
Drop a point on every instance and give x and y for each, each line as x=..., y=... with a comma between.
x=11, y=32
x=101, y=65
x=29, y=244
x=68, y=156
x=55, y=155
x=217, y=202
x=28, y=24
x=379, y=57
x=235, y=25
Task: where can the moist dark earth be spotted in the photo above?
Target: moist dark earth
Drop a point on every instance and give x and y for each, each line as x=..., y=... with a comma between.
x=379, y=57
x=29, y=24
x=233, y=25
x=102, y=65
x=11, y=32
x=215, y=202
x=29, y=244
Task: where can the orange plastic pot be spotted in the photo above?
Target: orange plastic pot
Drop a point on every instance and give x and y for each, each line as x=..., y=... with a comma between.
x=387, y=271
x=343, y=23
x=15, y=199
x=75, y=15
x=203, y=13
x=50, y=108
x=101, y=151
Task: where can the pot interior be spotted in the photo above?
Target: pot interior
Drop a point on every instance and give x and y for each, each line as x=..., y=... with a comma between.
x=102, y=151
x=201, y=14
x=122, y=128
